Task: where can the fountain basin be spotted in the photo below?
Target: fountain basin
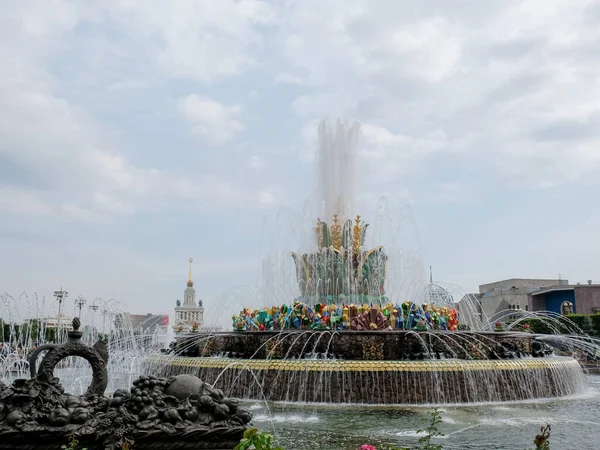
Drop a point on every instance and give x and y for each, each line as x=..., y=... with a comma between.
x=380, y=381
x=360, y=345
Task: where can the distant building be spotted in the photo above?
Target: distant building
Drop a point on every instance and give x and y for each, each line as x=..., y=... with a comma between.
x=189, y=315
x=511, y=294
x=63, y=320
x=148, y=323
x=566, y=299
x=150, y=330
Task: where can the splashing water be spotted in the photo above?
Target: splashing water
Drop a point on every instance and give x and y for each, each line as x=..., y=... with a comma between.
x=336, y=168
x=23, y=327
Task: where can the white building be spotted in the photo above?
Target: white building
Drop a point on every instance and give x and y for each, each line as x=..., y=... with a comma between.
x=65, y=322
x=190, y=313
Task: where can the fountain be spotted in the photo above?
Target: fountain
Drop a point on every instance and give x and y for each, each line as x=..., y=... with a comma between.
x=181, y=412
x=22, y=320
x=344, y=338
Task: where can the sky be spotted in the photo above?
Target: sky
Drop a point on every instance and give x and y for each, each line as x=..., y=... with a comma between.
x=137, y=134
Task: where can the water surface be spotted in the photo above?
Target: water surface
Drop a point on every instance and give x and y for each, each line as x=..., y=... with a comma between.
x=575, y=424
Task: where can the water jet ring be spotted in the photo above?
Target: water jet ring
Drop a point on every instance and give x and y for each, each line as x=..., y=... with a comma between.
x=45, y=373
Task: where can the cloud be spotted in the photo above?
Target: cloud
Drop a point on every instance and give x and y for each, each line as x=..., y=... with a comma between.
x=379, y=136
x=211, y=121
x=61, y=156
x=197, y=39
x=17, y=201
x=433, y=48
x=461, y=102
x=56, y=142
x=518, y=95
x=256, y=162
x=37, y=22
x=265, y=197
x=364, y=42
x=79, y=163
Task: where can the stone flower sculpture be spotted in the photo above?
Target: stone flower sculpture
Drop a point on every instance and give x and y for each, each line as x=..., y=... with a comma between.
x=180, y=412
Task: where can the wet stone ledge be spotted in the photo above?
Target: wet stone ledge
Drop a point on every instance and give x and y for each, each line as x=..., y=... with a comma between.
x=383, y=382
x=359, y=345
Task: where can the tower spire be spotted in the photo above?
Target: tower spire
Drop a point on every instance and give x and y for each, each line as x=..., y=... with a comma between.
x=190, y=282
x=430, y=275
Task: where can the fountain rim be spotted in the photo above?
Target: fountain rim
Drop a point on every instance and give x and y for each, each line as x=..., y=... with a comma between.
x=342, y=365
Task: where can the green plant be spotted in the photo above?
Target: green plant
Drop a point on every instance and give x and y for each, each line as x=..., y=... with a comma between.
x=258, y=440
x=581, y=320
x=431, y=431
x=542, y=441
x=538, y=326
x=595, y=319
x=72, y=445
x=125, y=444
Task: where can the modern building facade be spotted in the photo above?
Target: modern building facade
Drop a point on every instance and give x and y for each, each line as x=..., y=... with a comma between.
x=148, y=323
x=189, y=315
x=577, y=298
x=512, y=294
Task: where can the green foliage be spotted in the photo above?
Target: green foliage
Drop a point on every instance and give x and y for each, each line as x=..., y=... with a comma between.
x=258, y=440
x=431, y=431
x=7, y=330
x=542, y=440
x=538, y=326
x=50, y=335
x=595, y=320
x=124, y=444
x=588, y=323
x=29, y=331
x=72, y=445
x=581, y=320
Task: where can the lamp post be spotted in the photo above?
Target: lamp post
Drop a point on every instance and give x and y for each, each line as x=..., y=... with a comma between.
x=60, y=296
x=108, y=309
x=79, y=302
x=94, y=308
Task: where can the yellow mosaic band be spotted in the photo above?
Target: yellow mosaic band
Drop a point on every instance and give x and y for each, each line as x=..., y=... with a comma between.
x=301, y=365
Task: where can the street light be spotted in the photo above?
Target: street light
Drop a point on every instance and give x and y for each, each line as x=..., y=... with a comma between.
x=95, y=308
x=79, y=302
x=108, y=309
x=60, y=296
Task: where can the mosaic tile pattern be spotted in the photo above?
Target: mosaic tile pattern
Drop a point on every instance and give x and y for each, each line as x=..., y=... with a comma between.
x=364, y=366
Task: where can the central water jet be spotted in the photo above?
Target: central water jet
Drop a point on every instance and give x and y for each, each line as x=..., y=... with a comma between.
x=336, y=169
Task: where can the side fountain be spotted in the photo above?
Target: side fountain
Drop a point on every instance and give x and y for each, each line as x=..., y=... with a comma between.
x=181, y=412
x=26, y=322
x=342, y=340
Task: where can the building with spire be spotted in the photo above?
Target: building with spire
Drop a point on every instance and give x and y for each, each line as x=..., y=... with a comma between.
x=190, y=315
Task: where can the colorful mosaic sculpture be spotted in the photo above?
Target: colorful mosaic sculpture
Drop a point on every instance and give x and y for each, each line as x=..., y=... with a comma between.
x=341, y=265
x=301, y=316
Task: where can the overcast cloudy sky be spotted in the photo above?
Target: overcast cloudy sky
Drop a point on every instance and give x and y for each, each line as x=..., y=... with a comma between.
x=135, y=134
